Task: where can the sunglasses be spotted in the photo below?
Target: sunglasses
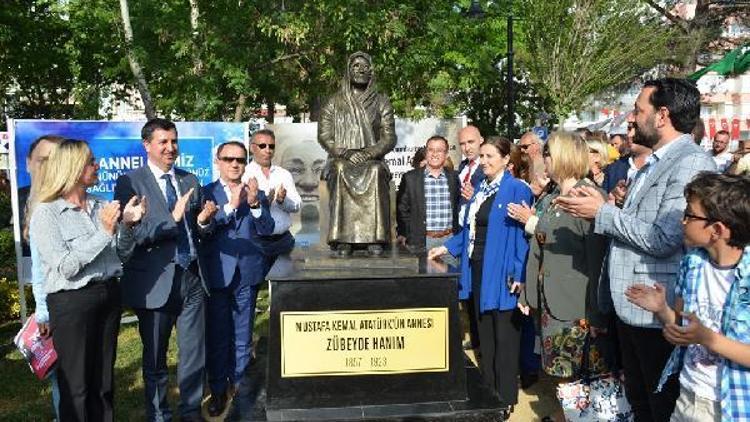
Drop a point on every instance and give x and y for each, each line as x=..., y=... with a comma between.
x=264, y=146
x=239, y=160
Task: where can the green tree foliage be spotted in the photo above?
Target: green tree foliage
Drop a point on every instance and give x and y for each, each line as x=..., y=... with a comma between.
x=34, y=68
x=577, y=48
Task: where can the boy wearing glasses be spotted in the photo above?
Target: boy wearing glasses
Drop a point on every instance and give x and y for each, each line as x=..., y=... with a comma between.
x=710, y=321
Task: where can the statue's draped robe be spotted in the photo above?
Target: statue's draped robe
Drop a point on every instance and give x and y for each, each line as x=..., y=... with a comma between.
x=359, y=194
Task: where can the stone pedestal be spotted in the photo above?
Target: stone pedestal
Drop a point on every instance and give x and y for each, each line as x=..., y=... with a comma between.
x=363, y=338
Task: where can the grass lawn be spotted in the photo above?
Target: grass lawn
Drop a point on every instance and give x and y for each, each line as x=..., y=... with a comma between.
x=24, y=398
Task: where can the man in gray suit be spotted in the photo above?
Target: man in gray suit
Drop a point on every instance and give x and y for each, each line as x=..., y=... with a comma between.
x=647, y=234
x=162, y=280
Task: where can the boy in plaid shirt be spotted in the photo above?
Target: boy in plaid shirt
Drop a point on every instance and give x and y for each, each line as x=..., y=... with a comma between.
x=710, y=322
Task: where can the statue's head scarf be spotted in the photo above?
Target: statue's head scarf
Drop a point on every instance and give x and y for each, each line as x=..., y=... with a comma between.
x=356, y=109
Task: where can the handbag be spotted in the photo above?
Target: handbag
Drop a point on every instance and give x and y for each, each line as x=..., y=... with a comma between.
x=38, y=351
x=601, y=398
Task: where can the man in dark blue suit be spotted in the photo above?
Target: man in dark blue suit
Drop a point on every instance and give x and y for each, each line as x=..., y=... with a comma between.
x=470, y=173
x=470, y=176
x=162, y=280
x=632, y=158
x=235, y=266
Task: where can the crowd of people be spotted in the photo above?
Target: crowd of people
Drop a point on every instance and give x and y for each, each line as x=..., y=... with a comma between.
x=192, y=258
x=628, y=253
x=625, y=252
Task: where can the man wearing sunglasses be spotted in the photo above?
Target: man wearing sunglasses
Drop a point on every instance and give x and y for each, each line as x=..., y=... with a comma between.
x=278, y=185
x=234, y=270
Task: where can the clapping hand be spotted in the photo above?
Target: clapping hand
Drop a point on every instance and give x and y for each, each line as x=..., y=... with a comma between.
x=179, y=207
x=134, y=211
x=207, y=213
x=239, y=195
x=467, y=191
x=520, y=212
x=693, y=333
x=280, y=194
x=618, y=194
x=653, y=299
x=251, y=190
x=582, y=202
x=109, y=215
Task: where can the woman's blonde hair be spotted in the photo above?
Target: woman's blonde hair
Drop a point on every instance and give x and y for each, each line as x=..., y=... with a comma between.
x=569, y=154
x=63, y=169
x=36, y=180
x=601, y=149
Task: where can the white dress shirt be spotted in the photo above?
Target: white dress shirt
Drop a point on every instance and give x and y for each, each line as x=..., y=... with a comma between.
x=228, y=208
x=723, y=160
x=277, y=177
x=158, y=173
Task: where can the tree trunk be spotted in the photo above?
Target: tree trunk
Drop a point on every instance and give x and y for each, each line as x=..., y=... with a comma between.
x=240, y=108
x=135, y=66
x=315, y=106
x=194, y=15
x=271, y=107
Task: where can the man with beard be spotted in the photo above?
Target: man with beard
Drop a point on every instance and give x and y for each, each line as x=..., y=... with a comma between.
x=720, y=150
x=632, y=157
x=647, y=234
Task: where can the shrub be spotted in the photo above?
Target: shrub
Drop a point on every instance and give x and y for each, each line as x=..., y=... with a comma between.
x=10, y=307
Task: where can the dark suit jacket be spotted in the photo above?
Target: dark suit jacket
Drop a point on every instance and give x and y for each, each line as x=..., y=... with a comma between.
x=411, y=215
x=23, y=198
x=230, y=243
x=476, y=178
x=615, y=172
x=149, y=273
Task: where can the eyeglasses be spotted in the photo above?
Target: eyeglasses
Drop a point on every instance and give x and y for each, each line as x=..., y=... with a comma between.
x=264, y=146
x=688, y=216
x=238, y=160
x=524, y=147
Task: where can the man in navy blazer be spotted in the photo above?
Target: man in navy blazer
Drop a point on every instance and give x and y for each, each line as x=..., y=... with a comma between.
x=162, y=280
x=235, y=266
x=470, y=176
x=470, y=173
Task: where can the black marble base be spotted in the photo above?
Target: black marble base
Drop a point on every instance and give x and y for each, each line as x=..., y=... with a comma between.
x=397, y=282
x=481, y=405
x=250, y=403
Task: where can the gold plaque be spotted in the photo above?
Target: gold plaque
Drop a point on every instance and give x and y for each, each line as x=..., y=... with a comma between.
x=389, y=341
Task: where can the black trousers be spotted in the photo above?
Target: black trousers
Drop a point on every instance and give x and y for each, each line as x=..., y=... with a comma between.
x=644, y=354
x=499, y=342
x=473, y=324
x=84, y=325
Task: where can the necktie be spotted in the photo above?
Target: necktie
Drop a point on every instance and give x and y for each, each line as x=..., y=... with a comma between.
x=467, y=176
x=182, y=254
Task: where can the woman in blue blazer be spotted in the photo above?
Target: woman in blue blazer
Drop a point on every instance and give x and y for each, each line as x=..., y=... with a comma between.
x=493, y=251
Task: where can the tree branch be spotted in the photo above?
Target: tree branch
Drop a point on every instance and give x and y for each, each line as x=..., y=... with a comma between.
x=667, y=14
